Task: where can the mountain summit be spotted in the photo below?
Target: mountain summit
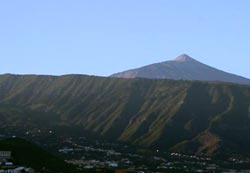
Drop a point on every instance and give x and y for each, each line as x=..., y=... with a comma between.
x=183, y=67
x=183, y=58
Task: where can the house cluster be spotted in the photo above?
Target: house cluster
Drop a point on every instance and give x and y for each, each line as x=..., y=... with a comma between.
x=17, y=170
x=93, y=164
x=5, y=157
x=7, y=166
x=178, y=155
x=108, y=152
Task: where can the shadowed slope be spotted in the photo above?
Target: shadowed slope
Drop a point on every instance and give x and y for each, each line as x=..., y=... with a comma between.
x=185, y=116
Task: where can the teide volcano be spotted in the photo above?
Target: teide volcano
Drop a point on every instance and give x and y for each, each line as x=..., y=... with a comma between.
x=182, y=68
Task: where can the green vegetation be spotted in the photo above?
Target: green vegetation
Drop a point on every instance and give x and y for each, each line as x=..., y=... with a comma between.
x=182, y=116
x=27, y=154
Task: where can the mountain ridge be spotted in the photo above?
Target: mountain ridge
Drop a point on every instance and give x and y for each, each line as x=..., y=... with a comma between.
x=182, y=67
x=205, y=118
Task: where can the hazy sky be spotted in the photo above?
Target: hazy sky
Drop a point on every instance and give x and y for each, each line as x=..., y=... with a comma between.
x=100, y=37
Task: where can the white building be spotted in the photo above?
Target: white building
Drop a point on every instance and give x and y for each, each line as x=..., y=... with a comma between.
x=5, y=155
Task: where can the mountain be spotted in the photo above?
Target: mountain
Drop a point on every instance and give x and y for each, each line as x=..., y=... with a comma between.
x=203, y=118
x=182, y=68
x=28, y=154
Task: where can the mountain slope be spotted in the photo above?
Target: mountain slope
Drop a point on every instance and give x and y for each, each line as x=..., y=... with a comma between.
x=182, y=68
x=196, y=117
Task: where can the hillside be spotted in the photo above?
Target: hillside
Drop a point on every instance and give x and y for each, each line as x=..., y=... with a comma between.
x=182, y=68
x=27, y=154
x=184, y=116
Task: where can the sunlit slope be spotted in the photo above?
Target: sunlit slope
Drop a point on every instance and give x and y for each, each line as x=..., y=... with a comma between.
x=184, y=116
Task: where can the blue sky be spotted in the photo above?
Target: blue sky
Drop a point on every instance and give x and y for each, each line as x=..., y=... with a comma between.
x=107, y=36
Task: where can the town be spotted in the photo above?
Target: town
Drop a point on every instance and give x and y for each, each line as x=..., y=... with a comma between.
x=119, y=157
x=98, y=154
